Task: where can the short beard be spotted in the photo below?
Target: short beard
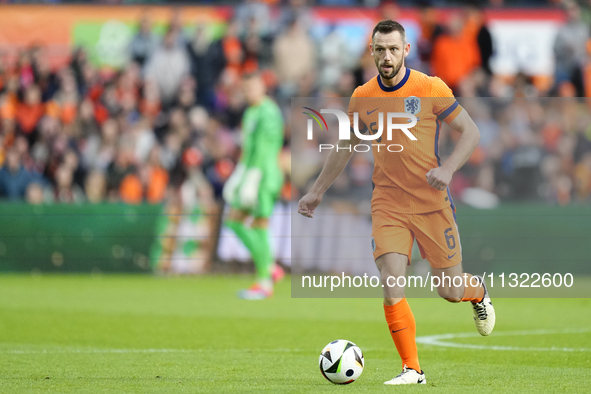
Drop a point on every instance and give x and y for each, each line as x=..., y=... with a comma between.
x=394, y=72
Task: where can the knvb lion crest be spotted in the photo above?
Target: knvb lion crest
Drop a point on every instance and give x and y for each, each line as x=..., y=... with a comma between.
x=412, y=105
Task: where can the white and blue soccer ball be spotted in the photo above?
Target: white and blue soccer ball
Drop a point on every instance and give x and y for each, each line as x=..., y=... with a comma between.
x=341, y=362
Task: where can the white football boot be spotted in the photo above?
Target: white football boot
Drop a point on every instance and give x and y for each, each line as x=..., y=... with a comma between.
x=484, y=312
x=408, y=376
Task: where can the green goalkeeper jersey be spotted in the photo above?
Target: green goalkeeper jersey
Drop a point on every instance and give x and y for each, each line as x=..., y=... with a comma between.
x=262, y=133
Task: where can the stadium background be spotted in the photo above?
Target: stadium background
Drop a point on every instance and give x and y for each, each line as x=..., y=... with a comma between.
x=120, y=124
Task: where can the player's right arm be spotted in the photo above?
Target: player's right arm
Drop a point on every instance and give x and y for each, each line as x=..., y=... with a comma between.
x=334, y=165
x=459, y=120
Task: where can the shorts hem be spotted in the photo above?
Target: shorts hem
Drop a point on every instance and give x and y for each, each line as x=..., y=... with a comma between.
x=443, y=266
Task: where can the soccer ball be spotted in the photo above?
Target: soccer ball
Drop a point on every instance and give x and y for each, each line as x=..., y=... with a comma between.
x=341, y=362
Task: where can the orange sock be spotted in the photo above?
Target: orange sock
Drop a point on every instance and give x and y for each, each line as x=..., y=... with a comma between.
x=401, y=323
x=473, y=294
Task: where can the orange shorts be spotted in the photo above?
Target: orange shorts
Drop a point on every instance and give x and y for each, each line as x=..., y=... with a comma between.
x=436, y=233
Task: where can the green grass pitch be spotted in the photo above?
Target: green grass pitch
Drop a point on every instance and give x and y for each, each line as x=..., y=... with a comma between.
x=144, y=334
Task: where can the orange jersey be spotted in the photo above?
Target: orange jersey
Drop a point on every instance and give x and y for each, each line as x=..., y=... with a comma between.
x=400, y=176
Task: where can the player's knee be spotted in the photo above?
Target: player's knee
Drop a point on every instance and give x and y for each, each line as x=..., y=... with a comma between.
x=454, y=300
x=387, y=279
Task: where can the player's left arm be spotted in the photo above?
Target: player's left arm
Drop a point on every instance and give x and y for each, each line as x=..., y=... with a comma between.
x=440, y=177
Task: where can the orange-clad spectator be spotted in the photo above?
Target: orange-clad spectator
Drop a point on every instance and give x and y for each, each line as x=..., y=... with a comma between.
x=29, y=112
x=156, y=178
x=64, y=106
x=471, y=21
x=95, y=91
x=587, y=72
x=68, y=112
x=158, y=181
x=122, y=166
x=9, y=101
x=8, y=104
x=192, y=157
x=455, y=54
x=101, y=113
x=130, y=190
x=53, y=109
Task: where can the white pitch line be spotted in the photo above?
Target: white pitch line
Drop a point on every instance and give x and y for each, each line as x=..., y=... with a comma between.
x=89, y=351
x=438, y=340
x=435, y=340
x=124, y=351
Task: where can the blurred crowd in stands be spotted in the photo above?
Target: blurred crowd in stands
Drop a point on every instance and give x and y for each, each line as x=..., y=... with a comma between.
x=338, y=3
x=171, y=116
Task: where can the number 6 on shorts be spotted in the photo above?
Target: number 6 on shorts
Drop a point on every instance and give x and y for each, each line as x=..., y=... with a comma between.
x=449, y=238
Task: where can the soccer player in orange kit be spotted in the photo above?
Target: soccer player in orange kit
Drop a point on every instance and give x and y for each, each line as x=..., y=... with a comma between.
x=411, y=197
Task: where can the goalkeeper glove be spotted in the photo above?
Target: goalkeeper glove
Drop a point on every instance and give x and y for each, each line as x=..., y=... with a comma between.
x=249, y=190
x=232, y=184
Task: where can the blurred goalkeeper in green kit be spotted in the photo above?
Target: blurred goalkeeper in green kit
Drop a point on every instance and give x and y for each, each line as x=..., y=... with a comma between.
x=255, y=185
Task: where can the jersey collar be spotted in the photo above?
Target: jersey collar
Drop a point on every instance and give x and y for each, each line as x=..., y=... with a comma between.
x=397, y=86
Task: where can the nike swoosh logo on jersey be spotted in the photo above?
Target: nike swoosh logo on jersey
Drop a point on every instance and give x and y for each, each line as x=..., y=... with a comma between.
x=370, y=112
x=400, y=329
x=449, y=257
